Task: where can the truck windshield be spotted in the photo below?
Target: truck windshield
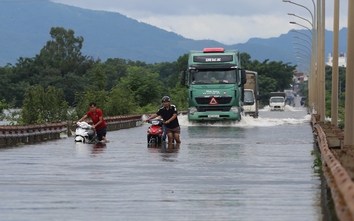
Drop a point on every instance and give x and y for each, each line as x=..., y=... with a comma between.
x=248, y=97
x=277, y=99
x=213, y=77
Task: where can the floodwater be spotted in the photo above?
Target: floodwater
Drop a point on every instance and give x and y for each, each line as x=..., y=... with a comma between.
x=257, y=169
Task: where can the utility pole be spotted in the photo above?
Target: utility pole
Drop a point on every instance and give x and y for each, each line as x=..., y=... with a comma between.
x=313, y=75
x=349, y=88
x=334, y=100
x=321, y=62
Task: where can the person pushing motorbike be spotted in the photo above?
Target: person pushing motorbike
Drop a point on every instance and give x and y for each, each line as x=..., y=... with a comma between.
x=99, y=124
x=168, y=113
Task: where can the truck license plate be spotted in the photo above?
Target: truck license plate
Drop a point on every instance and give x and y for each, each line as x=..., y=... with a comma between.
x=213, y=116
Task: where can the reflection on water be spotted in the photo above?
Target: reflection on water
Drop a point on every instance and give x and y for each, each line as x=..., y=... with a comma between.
x=167, y=152
x=93, y=150
x=98, y=148
x=216, y=133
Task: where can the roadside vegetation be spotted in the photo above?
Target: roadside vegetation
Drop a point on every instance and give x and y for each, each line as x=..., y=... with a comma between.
x=58, y=83
x=341, y=93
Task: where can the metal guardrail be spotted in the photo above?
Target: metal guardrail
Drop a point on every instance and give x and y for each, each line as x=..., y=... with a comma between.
x=13, y=135
x=339, y=181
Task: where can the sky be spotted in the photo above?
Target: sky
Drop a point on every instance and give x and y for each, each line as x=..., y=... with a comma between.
x=226, y=21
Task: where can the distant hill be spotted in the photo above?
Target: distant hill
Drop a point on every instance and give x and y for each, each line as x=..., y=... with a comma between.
x=25, y=26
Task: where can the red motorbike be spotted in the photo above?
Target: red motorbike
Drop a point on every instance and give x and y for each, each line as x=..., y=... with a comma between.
x=155, y=133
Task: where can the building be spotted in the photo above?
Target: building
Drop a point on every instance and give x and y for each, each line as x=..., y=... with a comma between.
x=299, y=77
x=342, y=60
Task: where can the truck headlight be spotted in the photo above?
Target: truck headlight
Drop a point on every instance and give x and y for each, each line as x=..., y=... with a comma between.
x=192, y=110
x=234, y=110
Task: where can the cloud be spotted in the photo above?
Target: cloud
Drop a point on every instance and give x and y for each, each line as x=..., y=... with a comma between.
x=182, y=7
x=226, y=21
x=224, y=28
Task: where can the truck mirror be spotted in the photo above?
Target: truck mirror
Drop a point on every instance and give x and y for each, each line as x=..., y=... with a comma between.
x=183, y=78
x=258, y=97
x=243, y=77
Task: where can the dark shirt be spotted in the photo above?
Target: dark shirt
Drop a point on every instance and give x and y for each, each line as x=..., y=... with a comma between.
x=167, y=114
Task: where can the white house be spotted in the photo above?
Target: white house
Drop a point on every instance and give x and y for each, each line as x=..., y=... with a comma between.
x=342, y=60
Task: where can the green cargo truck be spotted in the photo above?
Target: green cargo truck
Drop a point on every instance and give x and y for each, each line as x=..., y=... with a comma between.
x=215, y=85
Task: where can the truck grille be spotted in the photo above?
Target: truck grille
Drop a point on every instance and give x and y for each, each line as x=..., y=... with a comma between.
x=213, y=108
x=220, y=100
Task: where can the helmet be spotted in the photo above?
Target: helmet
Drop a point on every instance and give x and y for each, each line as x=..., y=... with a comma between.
x=166, y=98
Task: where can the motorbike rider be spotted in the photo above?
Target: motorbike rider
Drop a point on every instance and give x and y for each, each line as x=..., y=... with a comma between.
x=168, y=112
x=99, y=124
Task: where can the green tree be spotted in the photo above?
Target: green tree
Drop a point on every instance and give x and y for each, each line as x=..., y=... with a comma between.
x=55, y=107
x=81, y=105
x=176, y=91
x=341, y=92
x=32, y=104
x=83, y=99
x=182, y=63
x=266, y=85
x=63, y=52
x=179, y=96
x=246, y=62
x=6, y=88
x=273, y=76
x=120, y=102
x=40, y=106
x=93, y=93
x=3, y=106
x=145, y=86
x=115, y=69
x=100, y=79
x=60, y=62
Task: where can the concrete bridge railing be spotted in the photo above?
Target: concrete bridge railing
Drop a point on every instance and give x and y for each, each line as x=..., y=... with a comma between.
x=330, y=140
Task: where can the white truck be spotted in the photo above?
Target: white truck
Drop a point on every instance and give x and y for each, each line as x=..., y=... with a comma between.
x=251, y=94
x=277, y=101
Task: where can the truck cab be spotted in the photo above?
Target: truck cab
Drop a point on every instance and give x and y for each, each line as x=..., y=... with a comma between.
x=214, y=80
x=277, y=101
x=250, y=103
x=251, y=94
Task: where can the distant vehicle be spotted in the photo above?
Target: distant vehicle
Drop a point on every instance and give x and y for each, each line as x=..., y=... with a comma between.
x=303, y=101
x=251, y=94
x=289, y=99
x=277, y=101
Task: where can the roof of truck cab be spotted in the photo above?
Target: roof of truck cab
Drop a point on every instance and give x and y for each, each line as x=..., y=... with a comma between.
x=212, y=53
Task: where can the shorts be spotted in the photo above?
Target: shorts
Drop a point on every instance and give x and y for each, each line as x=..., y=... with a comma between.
x=101, y=133
x=176, y=130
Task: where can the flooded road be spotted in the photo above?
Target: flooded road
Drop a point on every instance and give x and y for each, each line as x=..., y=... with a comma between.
x=257, y=169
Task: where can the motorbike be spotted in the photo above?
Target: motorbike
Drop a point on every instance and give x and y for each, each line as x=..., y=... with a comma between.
x=84, y=133
x=155, y=132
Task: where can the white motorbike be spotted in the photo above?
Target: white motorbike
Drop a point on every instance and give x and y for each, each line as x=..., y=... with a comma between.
x=84, y=133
